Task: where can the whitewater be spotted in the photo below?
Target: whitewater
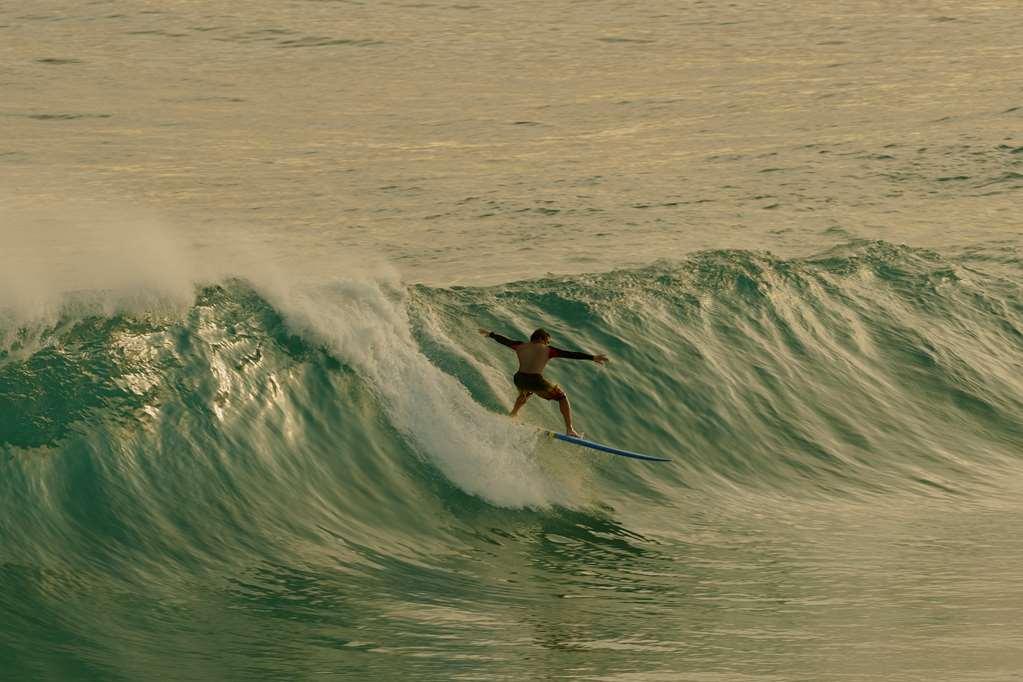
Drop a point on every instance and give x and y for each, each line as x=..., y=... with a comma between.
x=248, y=429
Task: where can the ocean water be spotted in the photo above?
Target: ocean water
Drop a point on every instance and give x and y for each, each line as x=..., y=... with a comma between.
x=248, y=429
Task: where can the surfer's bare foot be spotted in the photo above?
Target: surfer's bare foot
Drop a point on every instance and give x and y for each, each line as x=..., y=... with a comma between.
x=573, y=433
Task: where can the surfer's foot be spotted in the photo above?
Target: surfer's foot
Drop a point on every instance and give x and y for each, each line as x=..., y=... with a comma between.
x=572, y=432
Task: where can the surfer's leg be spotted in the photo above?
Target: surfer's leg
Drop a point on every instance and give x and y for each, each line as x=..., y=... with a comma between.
x=566, y=412
x=519, y=402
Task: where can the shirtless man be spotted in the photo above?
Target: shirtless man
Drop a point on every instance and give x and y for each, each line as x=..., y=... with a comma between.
x=533, y=357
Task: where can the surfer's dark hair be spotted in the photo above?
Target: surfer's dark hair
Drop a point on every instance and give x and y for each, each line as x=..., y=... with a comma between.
x=540, y=335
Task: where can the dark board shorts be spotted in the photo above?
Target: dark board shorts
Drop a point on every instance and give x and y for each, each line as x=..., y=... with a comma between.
x=535, y=383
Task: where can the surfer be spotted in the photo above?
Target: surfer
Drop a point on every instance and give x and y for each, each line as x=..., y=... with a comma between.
x=533, y=357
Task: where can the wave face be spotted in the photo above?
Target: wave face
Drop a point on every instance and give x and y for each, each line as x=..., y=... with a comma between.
x=277, y=482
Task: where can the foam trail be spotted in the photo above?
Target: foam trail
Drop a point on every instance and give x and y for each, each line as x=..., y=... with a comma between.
x=365, y=322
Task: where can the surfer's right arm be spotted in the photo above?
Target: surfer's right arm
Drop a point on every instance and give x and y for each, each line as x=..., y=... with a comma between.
x=503, y=340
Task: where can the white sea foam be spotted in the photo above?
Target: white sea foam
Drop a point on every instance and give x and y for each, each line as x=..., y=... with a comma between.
x=363, y=319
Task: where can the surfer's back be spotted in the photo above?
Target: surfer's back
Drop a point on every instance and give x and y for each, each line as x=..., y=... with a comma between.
x=533, y=357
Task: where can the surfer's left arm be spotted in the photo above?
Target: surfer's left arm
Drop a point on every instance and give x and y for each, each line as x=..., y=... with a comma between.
x=503, y=340
x=600, y=359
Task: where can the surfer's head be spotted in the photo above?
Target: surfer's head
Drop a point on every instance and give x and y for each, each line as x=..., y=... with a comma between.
x=540, y=336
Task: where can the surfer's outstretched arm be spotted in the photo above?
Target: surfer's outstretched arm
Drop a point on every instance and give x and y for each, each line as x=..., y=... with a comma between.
x=576, y=355
x=503, y=340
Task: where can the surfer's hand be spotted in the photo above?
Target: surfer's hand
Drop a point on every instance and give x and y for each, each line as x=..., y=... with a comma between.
x=484, y=332
x=600, y=359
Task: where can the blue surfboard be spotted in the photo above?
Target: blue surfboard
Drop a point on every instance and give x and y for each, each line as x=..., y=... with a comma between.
x=604, y=448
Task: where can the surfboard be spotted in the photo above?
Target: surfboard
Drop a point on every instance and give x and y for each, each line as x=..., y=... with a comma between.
x=604, y=448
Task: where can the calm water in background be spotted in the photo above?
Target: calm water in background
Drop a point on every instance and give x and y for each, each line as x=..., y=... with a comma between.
x=503, y=140
x=247, y=430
